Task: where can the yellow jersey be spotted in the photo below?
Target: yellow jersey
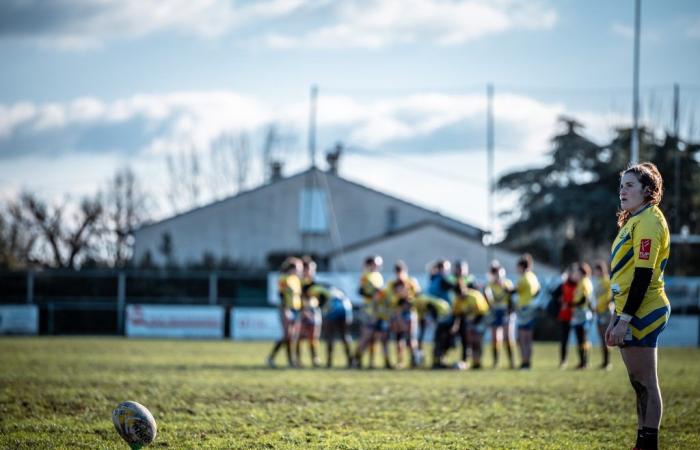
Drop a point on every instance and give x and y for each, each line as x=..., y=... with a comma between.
x=603, y=294
x=381, y=304
x=527, y=288
x=442, y=307
x=289, y=287
x=370, y=284
x=413, y=289
x=644, y=242
x=472, y=304
x=584, y=290
x=498, y=294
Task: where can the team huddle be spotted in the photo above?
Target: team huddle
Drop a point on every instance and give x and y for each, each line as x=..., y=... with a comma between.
x=454, y=307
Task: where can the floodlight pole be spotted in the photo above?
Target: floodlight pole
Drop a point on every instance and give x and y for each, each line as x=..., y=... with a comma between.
x=490, y=167
x=634, y=158
x=312, y=124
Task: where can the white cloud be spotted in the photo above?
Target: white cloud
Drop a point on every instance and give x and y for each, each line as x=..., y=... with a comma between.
x=382, y=23
x=84, y=24
x=693, y=30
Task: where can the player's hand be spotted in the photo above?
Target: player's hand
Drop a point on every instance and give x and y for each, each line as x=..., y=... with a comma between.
x=608, y=332
x=617, y=335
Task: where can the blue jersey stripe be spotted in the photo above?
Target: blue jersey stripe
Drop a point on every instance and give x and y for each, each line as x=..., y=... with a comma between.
x=617, y=247
x=622, y=262
x=663, y=264
x=649, y=205
x=647, y=320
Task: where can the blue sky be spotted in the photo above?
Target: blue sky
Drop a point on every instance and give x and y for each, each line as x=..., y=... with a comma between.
x=89, y=87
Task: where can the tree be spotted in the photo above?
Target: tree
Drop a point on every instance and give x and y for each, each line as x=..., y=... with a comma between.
x=125, y=209
x=17, y=238
x=567, y=208
x=66, y=234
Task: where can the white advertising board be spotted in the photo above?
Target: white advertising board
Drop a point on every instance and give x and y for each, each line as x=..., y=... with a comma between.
x=19, y=319
x=255, y=324
x=175, y=321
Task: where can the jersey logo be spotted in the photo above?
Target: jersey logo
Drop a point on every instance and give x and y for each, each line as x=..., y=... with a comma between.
x=644, y=249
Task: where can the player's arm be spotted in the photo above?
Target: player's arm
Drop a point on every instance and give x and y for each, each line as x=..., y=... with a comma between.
x=646, y=238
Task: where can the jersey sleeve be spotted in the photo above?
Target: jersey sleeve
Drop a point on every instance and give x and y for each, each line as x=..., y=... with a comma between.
x=646, y=239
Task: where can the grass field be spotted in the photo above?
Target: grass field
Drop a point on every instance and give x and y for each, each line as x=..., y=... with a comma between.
x=60, y=392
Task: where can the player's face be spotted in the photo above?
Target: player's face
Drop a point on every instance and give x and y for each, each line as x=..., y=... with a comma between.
x=631, y=192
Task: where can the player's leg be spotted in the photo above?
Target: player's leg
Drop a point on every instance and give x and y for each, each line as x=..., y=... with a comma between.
x=641, y=363
x=564, y=328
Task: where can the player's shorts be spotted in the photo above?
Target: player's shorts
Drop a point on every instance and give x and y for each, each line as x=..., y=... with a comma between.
x=645, y=332
x=498, y=317
x=381, y=326
x=526, y=317
x=478, y=325
x=339, y=311
x=604, y=319
x=580, y=317
x=290, y=316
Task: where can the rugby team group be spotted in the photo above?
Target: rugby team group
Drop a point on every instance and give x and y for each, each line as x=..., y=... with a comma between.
x=454, y=306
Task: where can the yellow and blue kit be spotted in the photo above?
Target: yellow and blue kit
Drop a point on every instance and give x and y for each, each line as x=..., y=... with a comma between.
x=527, y=289
x=499, y=296
x=603, y=298
x=642, y=243
x=582, y=302
x=289, y=287
x=370, y=284
x=424, y=303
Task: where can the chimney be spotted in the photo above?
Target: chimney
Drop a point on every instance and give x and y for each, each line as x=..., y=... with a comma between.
x=333, y=158
x=275, y=171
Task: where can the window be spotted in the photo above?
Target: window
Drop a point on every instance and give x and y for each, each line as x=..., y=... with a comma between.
x=313, y=211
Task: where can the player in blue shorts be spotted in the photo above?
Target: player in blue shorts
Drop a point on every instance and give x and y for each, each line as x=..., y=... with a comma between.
x=498, y=293
x=526, y=290
x=337, y=318
x=639, y=256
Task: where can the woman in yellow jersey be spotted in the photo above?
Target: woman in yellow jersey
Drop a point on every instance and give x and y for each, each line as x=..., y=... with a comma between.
x=639, y=255
x=461, y=280
x=526, y=290
x=603, y=306
x=310, y=315
x=498, y=293
x=289, y=287
x=477, y=307
x=404, y=320
x=437, y=310
x=371, y=283
x=581, y=314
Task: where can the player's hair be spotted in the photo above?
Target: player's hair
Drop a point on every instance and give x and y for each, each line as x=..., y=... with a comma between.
x=602, y=266
x=307, y=261
x=650, y=177
x=585, y=269
x=400, y=266
x=289, y=263
x=373, y=259
x=525, y=261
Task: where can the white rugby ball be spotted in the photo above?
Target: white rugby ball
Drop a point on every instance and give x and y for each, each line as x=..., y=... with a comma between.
x=134, y=423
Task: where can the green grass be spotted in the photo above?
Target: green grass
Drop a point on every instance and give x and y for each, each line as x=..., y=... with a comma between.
x=60, y=392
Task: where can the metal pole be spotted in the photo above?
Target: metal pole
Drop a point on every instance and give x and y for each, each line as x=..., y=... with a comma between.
x=312, y=124
x=30, y=287
x=213, y=288
x=121, y=301
x=634, y=158
x=676, y=164
x=490, y=167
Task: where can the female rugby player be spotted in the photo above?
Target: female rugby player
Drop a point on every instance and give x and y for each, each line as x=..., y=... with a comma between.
x=603, y=306
x=582, y=315
x=498, y=293
x=639, y=255
x=289, y=287
x=527, y=289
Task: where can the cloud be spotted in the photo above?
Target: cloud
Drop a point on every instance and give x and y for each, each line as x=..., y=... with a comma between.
x=382, y=23
x=80, y=24
x=281, y=24
x=693, y=30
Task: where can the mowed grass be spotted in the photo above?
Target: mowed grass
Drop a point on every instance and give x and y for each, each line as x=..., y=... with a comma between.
x=60, y=392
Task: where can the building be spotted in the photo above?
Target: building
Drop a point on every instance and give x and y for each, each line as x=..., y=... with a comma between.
x=316, y=212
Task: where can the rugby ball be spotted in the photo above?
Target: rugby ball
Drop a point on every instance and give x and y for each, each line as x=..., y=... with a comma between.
x=135, y=424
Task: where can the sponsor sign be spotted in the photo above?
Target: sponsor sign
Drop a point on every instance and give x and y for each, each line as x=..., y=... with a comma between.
x=19, y=319
x=175, y=321
x=255, y=323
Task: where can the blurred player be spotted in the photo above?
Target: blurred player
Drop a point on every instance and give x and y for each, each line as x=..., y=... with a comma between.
x=639, y=255
x=371, y=283
x=436, y=310
x=289, y=287
x=477, y=307
x=581, y=315
x=461, y=279
x=310, y=315
x=604, y=306
x=498, y=293
x=439, y=287
x=404, y=320
x=337, y=318
x=527, y=288
x=566, y=308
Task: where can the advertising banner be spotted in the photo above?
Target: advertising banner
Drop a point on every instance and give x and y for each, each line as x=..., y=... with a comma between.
x=175, y=321
x=255, y=324
x=19, y=319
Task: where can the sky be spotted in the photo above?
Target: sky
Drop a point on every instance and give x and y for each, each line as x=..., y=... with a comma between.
x=89, y=87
